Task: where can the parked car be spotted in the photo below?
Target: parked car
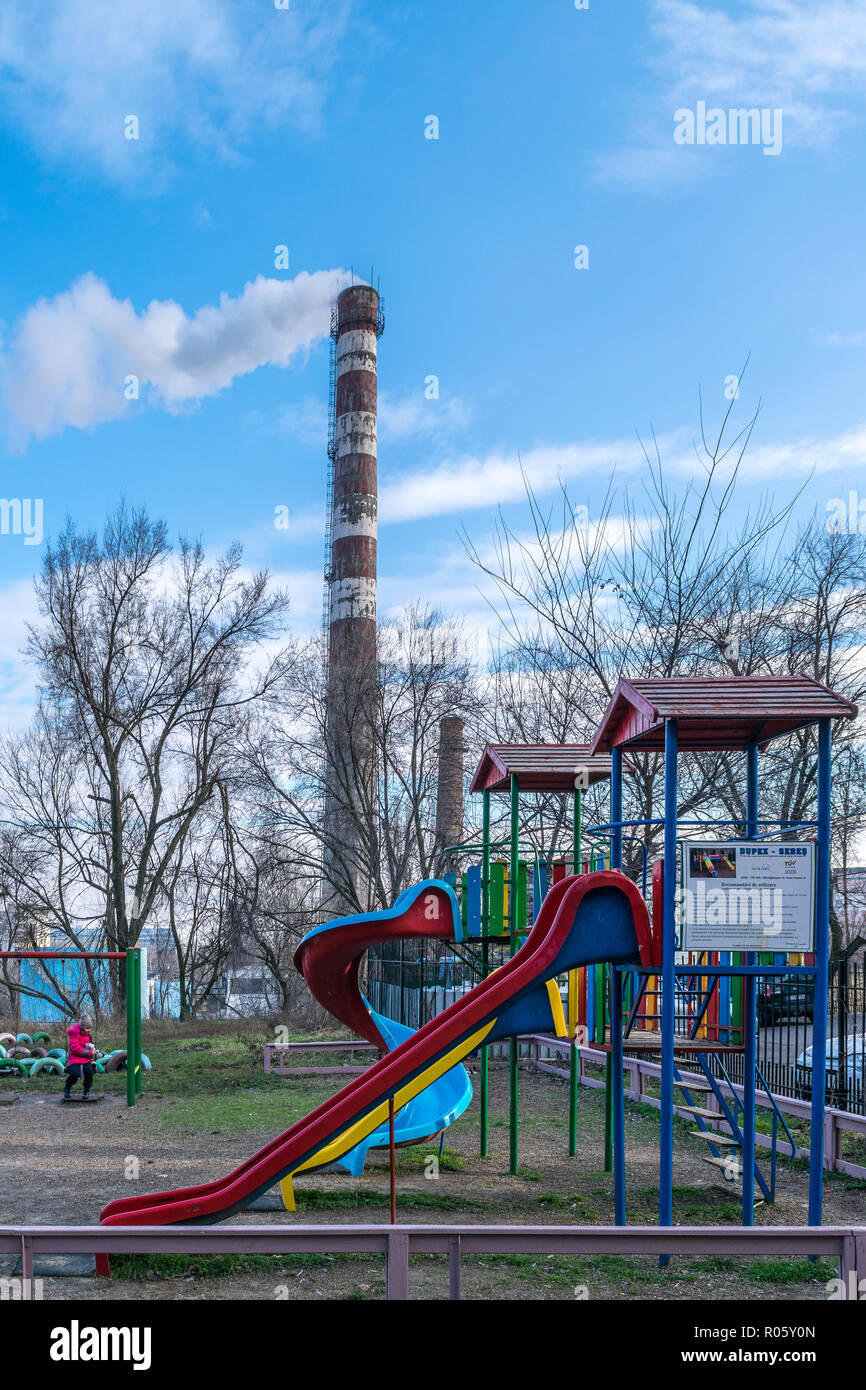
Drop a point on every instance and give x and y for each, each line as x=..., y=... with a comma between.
x=785, y=996
x=855, y=1065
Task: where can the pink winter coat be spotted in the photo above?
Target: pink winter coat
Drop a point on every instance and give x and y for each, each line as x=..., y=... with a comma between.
x=80, y=1044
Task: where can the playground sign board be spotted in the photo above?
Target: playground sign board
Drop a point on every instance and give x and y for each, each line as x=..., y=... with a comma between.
x=746, y=895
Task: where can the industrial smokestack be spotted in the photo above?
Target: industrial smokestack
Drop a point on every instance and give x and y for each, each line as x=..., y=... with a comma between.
x=351, y=600
x=449, y=790
x=352, y=616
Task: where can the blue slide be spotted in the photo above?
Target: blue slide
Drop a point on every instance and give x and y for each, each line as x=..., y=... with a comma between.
x=330, y=956
x=431, y=1111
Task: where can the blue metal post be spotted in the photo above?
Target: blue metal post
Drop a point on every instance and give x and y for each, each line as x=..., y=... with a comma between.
x=616, y=808
x=750, y=1019
x=752, y=790
x=671, y=875
x=614, y=1101
x=822, y=947
x=618, y=1095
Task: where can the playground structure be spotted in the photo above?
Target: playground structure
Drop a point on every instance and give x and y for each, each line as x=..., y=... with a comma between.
x=329, y=958
x=133, y=1059
x=706, y=1013
x=581, y=919
x=672, y=717
x=592, y=920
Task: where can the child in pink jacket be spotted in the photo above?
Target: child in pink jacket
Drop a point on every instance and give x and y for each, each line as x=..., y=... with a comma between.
x=79, y=1057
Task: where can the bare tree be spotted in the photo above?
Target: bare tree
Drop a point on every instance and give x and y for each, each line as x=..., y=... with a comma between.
x=150, y=664
x=675, y=584
x=424, y=673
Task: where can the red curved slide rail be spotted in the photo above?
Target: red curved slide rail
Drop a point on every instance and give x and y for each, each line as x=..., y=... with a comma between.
x=329, y=960
x=216, y=1200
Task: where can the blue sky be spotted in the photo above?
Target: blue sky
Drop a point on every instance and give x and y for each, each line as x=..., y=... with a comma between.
x=305, y=127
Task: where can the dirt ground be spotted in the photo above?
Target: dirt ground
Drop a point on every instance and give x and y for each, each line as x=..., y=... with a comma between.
x=61, y=1164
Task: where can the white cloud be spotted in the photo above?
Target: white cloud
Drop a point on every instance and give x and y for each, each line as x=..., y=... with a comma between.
x=843, y=453
x=400, y=417
x=305, y=421
x=406, y=417
x=206, y=75
x=70, y=355
x=306, y=589
x=807, y=59
x=459, y=485
x=843, y=339
x=804, y=57
x=18, y=678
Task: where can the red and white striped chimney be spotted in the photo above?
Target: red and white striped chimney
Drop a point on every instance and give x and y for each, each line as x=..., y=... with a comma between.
x=352, y=604
x=350, y=787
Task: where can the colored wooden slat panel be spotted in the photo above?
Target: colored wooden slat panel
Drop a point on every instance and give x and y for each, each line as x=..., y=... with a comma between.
x=522, y=922
x=496, y=925
x=713, y=1006
x=737, y=1031
x=472, y=897
x=599, y=1012
x=539, y=886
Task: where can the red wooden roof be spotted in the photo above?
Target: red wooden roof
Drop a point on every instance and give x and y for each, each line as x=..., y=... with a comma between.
x=714, y=711
x=540, y=767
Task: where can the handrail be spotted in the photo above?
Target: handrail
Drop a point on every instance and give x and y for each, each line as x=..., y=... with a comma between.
x=847, y=1244
x=772, y=1099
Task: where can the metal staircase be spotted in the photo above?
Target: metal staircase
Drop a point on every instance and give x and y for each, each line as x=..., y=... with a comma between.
x=693, y=996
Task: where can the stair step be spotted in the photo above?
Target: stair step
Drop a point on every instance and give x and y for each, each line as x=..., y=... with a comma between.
x=726, y=1187
x=701, y=1110
x=694, y=1085
x=724, y=1141
x=735, y=1169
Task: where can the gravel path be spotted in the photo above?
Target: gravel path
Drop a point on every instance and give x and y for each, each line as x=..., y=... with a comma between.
x=61, y=1164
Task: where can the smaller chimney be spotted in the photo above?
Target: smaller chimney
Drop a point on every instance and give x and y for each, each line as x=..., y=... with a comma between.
x=449, y=791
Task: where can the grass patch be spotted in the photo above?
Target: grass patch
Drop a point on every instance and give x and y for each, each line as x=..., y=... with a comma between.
x=692, y=1206
x=241, y=1108
x=844, y=1183
x=316, y=1199
x=802, y=1271
x=448, y=1161
x=576, y=1202
x=220, y=1266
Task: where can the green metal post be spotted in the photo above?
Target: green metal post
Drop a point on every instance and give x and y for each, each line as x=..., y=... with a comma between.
x=138, y=1071
x=512, y=925
x=608, y=1078
x=574, y=1058
x=485, y=965
x=130, y=1030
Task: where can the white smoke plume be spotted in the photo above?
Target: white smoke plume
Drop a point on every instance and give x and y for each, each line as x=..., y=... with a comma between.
x=79, y=358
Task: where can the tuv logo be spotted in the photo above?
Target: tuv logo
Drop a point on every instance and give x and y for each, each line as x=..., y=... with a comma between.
x=77, y=1343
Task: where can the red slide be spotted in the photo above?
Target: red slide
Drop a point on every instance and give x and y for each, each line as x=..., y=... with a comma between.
x=585, y=919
